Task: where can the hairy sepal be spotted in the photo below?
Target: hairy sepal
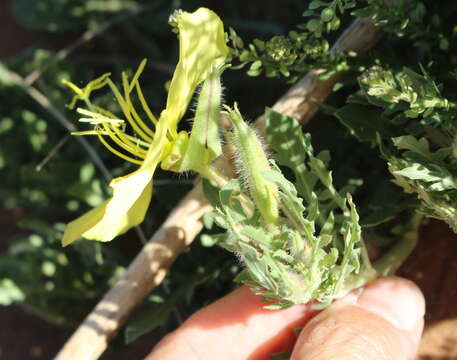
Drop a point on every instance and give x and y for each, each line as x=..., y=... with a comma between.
x=203, y=145
x=251, y=162
x=204, y=141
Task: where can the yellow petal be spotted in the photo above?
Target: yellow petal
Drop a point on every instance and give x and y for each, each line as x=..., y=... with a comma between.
x=129, y=203
x=201, y=43
x=106, y=221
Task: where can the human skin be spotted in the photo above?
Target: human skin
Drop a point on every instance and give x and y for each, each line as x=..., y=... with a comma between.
x=382, y=321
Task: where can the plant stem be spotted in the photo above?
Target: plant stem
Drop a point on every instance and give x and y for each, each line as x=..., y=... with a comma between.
x=215, y=175
x=392, y=260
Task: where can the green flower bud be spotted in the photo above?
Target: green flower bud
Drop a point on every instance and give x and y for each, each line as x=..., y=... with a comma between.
x=280, y=48
x=204, y=142
x=178, y=148
x=251, y=162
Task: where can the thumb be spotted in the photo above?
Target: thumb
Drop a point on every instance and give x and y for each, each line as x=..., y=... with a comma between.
x=383, y=321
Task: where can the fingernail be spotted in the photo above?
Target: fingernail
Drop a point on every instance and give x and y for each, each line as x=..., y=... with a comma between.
x=399, y=301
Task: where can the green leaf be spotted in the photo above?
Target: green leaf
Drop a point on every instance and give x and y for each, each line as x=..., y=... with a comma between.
x=409, y=142
x=364, y=122
x=315, y=4
x=257, y=234
x=285, y=136
x=230, y=203
x=255, y=69
x=314, y=25
x=211, y=192
x=327, y=14
x=418, y=172
x=5, y=75
x=442, y=180
x=10, y=292
x=230, y=189
x=385, y=203
x=208, y=240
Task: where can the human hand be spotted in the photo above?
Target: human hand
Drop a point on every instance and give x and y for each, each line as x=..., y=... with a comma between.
x=382, y=321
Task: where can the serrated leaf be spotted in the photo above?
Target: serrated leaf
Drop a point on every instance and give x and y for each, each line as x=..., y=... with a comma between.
x=243, y=277
x=285, y=136
x=282, y=255
x=409, y=142
x=330, y=259
x=256, y=234
x=418, y=172
x=320, y=169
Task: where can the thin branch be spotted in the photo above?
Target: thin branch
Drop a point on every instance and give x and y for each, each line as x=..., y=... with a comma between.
x=52, y=152
x=94, y=59
x=184, y=223
x=41, y=99
x=85, y=38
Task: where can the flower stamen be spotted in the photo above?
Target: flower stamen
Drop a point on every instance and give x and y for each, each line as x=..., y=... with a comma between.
x=136, y=117
x=118, y=153
x=127, y=112
x=111, y=127
x=144, y=104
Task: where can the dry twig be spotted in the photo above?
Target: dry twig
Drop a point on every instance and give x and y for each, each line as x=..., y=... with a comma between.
x=86, y=37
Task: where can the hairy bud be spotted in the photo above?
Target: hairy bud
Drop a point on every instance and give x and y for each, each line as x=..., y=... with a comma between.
x=251, y=163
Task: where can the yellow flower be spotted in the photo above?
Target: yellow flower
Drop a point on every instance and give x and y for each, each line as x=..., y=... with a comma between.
x=201, y=44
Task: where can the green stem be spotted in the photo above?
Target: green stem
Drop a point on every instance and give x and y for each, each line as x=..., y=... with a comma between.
x=213, y=174
x=391, y=261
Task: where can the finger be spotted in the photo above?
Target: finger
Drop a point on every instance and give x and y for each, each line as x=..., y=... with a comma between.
x=384, y=321
x=236, y=327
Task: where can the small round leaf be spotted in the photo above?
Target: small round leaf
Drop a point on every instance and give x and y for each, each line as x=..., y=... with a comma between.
x=314, y=25
x=327, y=14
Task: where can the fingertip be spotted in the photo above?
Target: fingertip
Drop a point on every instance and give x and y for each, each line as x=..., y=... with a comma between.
x=396, y=300
x=382, y=321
